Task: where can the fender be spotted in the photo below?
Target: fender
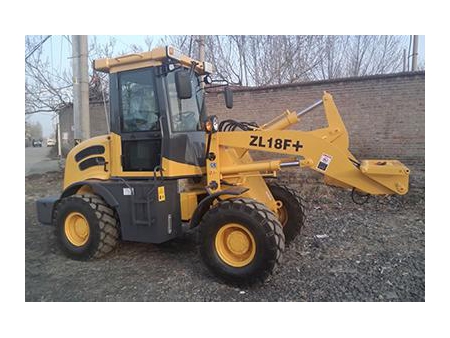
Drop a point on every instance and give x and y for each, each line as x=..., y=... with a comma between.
x=46, y=206
x=97, y=187
x=205, y=204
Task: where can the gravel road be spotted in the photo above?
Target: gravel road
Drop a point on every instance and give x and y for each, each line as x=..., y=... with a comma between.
x=347, y=252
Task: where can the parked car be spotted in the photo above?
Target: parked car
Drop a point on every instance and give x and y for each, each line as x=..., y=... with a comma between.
x=37, y=143
x=51, y=142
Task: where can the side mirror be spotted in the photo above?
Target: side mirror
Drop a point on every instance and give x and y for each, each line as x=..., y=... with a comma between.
x=228, y=97
x=183, y=84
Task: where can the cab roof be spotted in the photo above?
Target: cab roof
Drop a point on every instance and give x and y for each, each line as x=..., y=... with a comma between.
x=155, y=57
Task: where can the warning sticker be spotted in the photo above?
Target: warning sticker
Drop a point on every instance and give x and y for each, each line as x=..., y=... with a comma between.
x=161, y=194
x=324, y=162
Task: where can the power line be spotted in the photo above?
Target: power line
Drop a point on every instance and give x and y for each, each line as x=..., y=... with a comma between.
x=37, y=46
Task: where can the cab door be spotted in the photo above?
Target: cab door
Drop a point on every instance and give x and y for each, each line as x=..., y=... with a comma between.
x=140, y=127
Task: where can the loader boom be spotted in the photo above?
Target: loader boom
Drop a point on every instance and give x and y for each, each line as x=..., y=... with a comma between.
x=324, y=150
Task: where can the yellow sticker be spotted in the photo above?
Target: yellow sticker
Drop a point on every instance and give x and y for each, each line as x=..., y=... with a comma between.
x=161, y=194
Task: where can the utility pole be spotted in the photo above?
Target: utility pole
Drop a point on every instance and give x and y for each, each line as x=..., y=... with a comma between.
x=201, y=52
x=415, y=52
x=58, y=138
x=404, y=60
x=201, y=48
x=80, y=88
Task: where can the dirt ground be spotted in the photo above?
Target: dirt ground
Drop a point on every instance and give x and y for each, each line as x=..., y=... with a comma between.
x=347, y=252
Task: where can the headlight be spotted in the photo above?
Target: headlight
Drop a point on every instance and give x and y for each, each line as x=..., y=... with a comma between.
x=173, y=53
x=212, y=124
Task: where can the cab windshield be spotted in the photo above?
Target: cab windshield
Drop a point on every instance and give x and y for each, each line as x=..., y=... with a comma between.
x=185, y=114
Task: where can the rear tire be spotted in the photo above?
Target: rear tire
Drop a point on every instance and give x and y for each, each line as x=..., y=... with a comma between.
x=241, y=241
x=291, y=215
x=86, y=227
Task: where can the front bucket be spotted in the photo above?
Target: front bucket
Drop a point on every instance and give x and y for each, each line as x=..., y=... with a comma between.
x=390, y=173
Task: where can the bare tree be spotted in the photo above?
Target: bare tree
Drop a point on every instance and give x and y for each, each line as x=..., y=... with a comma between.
x=265, y=60
x=388, y=57
x=333, y=57
x=33, y=130
x=372, y=54
x=99, y=82
x=257, y=60
x=253, y=60
x=46, y=89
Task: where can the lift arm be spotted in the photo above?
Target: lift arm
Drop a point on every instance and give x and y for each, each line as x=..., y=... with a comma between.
x=324, y=150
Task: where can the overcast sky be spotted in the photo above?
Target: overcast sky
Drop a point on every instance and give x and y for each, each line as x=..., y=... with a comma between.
x=58, y=50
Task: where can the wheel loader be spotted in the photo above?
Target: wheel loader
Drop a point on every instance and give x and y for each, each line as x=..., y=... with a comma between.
x=166, y=167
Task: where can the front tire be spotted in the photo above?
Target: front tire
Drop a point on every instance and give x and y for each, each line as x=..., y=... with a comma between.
x=86, y=227
x=241, y=241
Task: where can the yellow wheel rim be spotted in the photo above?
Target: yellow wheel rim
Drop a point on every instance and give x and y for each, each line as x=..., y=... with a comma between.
x=282, y=213
x=235, y=245
x=76, y=228
x=283, y=216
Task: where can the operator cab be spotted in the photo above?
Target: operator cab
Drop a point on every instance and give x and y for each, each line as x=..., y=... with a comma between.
x=157, y=108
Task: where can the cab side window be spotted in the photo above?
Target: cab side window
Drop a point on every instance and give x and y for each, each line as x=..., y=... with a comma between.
x=184, y=114
x=138, y=103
